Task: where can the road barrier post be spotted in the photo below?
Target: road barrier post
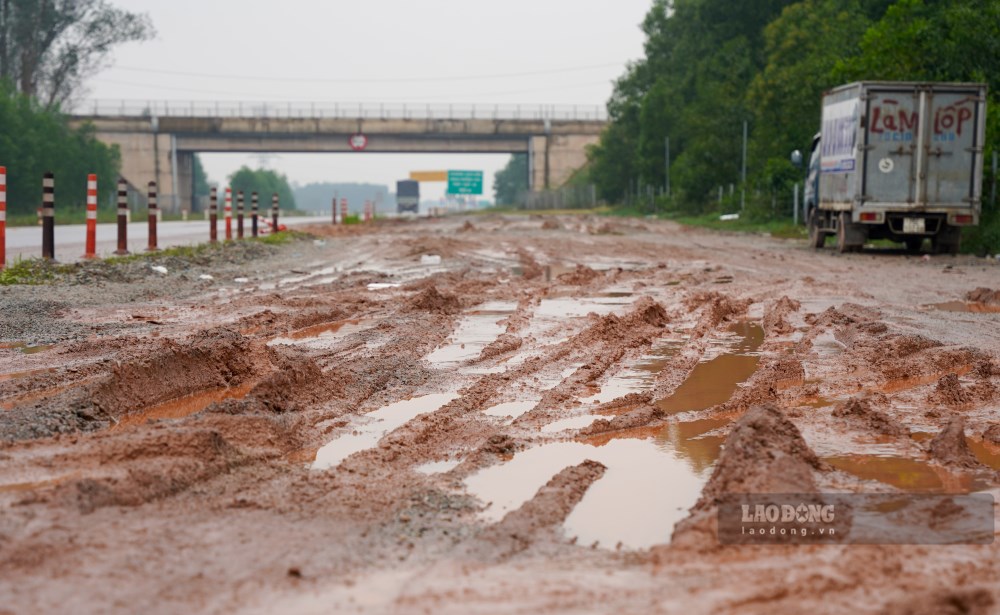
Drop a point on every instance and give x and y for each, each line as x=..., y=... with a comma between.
x=343, y=211
x=274, y=212
x=239, y=214
x=253, y=215
x=153, y=213
x=213, y=215
x=229, y=213
x=90, y=250
x=3, y=217
x=122, y=218
x=48, y=216
x=333, y=211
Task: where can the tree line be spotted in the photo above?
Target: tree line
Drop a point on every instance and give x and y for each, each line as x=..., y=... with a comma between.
x=711, y=65
x=47, y=49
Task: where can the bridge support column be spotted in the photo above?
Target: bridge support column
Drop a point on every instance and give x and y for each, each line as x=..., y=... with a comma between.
x=554, y=159
x=149, y=156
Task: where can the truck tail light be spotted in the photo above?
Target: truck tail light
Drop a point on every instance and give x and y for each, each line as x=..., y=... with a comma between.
x=963, y=219
x=869, y=217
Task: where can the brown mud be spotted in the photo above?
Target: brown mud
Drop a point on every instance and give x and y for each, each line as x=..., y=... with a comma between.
x=544, y=420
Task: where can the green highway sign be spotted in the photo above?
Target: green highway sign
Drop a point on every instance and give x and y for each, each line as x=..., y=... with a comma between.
x=465, y=182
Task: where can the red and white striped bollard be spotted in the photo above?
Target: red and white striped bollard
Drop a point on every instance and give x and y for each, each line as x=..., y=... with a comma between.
x=229, y=213
x=3, y=217
x=122, y=218
x=343, y=211
x=90, y=250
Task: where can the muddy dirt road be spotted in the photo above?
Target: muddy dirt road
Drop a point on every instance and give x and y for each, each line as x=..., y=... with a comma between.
x=541, y=419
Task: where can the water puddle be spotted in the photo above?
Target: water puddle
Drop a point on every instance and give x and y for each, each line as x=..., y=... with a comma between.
x=622, y=506
x=26, y=348
x=478, y=329
x=438, y=467
x=901, y=384
x=905, y=473
x=184, y=406
x=512, y=409
x=322, y=335
x=967, y=306
x=637, y=378
x=376, y=425
x=988, y=454
x=713, y=382
x=562, y=307
x=574, y=422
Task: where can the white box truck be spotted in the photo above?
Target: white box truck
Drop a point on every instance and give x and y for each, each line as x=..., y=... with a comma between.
x=897, y=160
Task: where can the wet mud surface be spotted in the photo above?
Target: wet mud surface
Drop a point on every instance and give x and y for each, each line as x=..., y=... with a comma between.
x=543, y=419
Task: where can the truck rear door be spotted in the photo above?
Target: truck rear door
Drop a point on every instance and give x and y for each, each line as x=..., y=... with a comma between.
x=922, y=146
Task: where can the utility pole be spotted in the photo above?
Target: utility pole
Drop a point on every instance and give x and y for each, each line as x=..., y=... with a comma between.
x=666, y=157
x=743, y=175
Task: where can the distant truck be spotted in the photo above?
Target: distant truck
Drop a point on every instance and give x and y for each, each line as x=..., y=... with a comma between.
x=407, y=196
x=899, y=161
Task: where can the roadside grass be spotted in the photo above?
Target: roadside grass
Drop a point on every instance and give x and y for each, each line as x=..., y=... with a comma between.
x=784, y=229
x=31, y=271
x=34, y=271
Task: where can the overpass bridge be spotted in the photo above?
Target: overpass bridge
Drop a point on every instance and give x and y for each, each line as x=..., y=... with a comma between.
x=158, y=140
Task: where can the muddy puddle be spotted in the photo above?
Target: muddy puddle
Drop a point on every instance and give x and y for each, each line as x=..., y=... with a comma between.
x=477, y=329
x=654, y=475
x=973, y=307
x=25, y=348
x=714, y=381
x=373, y=426
x=185, y=406
x=322, y=335
x=512, y=409
x=636, y=378
x=907, y=474
x=643, y=493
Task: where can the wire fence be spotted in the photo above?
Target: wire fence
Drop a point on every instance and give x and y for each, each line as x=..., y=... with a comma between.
x=569, y=197
x=360, y=110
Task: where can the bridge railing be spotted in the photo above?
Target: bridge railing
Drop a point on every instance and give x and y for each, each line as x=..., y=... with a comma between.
x=310, y=110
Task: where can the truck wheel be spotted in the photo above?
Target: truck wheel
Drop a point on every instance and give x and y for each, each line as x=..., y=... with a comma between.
x=816, y=237
x=948, y=240
x=913, y=244
x=850, y=237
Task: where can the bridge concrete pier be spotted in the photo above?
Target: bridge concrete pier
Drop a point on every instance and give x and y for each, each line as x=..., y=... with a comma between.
x=153, y=156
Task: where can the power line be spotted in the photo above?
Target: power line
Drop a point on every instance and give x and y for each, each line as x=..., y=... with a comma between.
x=407, y=79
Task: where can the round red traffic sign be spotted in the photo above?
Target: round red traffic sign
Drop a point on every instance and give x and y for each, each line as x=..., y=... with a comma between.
x=358, y=142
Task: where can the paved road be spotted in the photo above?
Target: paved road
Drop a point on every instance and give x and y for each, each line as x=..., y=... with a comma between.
x=26, y=241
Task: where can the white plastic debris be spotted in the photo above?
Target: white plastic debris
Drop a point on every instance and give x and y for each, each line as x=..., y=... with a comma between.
x=382, y=286
x=430, y=259
x=319, y=242
x=728, y=217
x=241, y=280
x=159, y=269
x=205, y=276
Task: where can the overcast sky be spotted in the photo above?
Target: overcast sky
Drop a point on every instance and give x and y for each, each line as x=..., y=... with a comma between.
x=431, y=51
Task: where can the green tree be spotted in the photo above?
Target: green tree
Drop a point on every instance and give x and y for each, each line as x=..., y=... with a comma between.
x=48, y=47
x=265, y=183
x=511, y=182
x=201, y=183
x=34, y=140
